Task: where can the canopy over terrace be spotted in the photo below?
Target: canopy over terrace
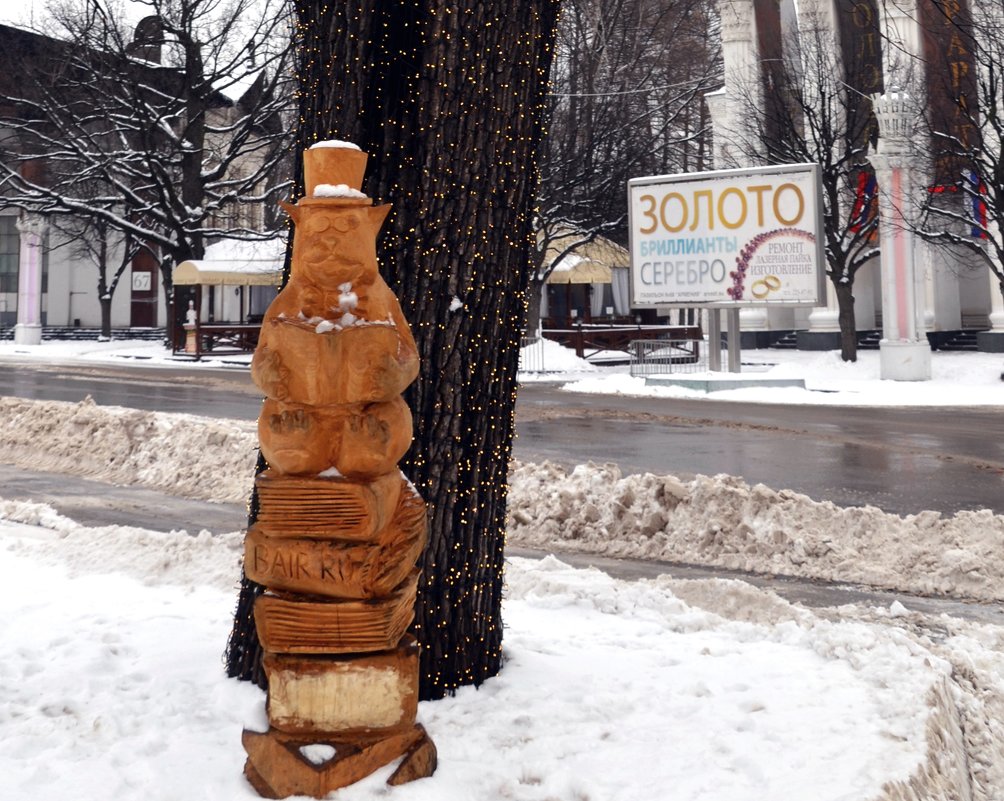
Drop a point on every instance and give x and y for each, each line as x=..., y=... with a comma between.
x=242, y=279
x=230, y=263
x=600, y=267
x=237, y=272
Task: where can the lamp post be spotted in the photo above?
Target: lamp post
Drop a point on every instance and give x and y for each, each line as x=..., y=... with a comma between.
x=904, y=352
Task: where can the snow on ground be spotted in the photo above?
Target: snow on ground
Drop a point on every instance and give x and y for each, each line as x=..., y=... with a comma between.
x=692, y=689
x=958, y=379
x=116, y=351
x=611, y=690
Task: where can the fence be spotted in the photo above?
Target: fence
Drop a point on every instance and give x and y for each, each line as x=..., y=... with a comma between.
x=590, y=340
x=217, y=339
x=665, y=356
x=531, y=355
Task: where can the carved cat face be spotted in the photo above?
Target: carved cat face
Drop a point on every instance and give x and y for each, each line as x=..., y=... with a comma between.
x=335, y=245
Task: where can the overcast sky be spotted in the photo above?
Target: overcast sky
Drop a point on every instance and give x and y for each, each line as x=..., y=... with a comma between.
x=20, y=12
x=15, y=11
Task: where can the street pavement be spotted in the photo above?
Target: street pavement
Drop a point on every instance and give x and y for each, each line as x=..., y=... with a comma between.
x=900, y=460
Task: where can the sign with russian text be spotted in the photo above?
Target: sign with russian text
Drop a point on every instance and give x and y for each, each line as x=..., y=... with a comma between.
x=729, y=238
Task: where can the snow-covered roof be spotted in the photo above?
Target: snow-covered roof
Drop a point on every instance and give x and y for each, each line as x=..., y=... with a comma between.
x=234, y=89
x=577, y=269
x=229, y=273
x=590, y=263
x=234, y=262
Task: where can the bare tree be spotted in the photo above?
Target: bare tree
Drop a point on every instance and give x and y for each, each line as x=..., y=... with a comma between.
x=622, y=104
x=180, y=127
x=805, y=111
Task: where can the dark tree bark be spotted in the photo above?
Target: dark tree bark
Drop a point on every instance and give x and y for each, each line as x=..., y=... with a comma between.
x=848, y=325
x=448, y=101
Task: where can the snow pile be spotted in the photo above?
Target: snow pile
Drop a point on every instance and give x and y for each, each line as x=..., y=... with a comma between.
x=182, y=454
x=708, y=691
x=547, y=356
x=717, y=520
x=723, y=521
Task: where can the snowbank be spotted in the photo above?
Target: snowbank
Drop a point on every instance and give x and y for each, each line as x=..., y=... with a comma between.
x=723, y=521
x=717, y=520
x=545, y=359
x=196, y=457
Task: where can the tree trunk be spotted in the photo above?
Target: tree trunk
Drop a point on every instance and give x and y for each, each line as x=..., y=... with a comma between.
x=448, y=103
x=533, y=306
x=106, y=316
x=104, y=296
x=848, y=325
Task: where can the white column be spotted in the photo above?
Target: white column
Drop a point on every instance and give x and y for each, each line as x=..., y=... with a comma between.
x=996, y=306
x=996, y=299
x=904, y=352
x=740, y=67
x=28, y=330
x=826, y=318
x=925, y=270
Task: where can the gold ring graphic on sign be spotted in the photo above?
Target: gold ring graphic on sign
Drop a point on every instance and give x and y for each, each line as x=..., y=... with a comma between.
x=762, y=287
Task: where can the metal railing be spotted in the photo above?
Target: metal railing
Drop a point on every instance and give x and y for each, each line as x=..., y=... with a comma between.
x=665, y=356
x=531, y=355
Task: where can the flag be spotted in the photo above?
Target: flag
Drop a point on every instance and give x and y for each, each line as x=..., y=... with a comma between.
x=976, y=205
x=864, y=201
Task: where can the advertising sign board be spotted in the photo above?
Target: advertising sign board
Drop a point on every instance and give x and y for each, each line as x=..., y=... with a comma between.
x=729, y=238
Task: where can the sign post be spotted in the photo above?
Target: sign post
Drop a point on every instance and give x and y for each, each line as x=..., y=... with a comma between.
x=728, y=239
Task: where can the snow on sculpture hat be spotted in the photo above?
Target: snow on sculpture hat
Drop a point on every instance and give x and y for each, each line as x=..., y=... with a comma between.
x=334, y=170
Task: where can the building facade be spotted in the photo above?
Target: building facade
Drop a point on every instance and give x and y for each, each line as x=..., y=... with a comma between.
x=49, y=274
x=875, y=49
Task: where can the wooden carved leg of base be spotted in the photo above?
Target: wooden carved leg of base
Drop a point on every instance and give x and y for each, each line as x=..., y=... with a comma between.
x=418, y=763
x=277, y=768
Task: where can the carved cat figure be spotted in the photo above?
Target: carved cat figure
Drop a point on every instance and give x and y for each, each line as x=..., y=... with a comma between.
x=335, y=333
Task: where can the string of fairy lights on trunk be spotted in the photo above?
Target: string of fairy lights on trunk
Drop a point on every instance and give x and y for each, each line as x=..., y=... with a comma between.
x=449, y=102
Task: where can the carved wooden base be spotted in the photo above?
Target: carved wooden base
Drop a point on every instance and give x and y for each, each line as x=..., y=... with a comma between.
x=339, y=568
x=277, y=767
x=365, y=694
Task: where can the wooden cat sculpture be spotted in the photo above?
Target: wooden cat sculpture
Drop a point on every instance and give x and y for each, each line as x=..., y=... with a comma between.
x=339, y=529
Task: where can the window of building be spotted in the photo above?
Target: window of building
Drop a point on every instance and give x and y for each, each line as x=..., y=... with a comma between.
x=10, y=245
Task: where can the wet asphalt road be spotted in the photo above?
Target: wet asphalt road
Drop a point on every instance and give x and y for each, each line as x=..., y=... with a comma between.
x=900, y=460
